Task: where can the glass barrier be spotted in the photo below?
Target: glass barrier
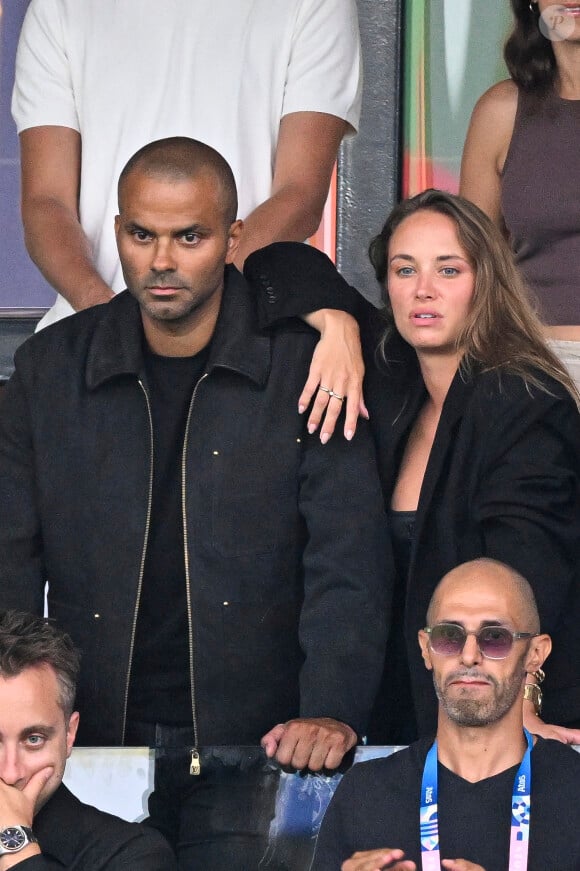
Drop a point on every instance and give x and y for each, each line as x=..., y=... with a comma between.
x=291, y=804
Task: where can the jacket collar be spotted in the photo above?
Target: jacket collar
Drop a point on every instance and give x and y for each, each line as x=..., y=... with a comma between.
x=116, y=345
x=407, y=394
x=237, y=344
x=453, y=410
x=456, y=401
x=59, y=827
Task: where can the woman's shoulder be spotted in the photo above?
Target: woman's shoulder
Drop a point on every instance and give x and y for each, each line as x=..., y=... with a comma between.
x=504, y=387
x=505, y=408
x=499, y=103
x=488, y=138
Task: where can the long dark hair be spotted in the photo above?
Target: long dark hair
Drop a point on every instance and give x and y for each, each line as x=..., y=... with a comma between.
x=528, y=54
x=502, y=330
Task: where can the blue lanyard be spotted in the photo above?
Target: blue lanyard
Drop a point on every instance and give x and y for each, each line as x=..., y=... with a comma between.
x=520, y=816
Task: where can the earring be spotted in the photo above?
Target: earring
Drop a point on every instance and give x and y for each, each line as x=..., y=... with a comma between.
x=531, y=7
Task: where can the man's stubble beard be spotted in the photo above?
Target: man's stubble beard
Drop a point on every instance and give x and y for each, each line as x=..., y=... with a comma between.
x=469, y=712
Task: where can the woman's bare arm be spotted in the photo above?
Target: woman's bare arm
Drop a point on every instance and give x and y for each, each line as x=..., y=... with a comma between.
x=486, y=146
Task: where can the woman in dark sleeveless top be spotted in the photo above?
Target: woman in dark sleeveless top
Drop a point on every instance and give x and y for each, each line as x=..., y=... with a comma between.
x=521, y=162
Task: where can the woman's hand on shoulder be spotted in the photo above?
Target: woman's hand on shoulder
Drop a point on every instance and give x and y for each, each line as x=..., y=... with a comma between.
x=486, y=146
x=336, y=374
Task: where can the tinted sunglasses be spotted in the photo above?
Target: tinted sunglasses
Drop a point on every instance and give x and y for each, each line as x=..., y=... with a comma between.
x=494, y=642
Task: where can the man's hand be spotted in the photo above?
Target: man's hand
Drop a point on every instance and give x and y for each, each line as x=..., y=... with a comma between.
x=393, y=860
x=377, y=860
x=314, y=743
x=17, y=805
x=337, y=365
x=460, y=865
x=17, y=809
x=537, y=726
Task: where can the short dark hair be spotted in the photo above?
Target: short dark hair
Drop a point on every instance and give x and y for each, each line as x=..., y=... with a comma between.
x=178, y=158
x=27, y=640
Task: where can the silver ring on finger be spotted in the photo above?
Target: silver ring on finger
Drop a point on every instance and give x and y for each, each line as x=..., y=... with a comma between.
x=326, y=390
x=336, y=396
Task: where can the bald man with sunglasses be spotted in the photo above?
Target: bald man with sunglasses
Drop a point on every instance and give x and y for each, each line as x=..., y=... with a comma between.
x=486, y=795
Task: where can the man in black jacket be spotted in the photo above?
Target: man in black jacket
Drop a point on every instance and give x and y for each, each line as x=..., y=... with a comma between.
x=42, y=825
x=225, y=573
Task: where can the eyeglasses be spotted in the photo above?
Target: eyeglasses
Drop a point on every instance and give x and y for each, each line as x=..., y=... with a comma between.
x=494, y=642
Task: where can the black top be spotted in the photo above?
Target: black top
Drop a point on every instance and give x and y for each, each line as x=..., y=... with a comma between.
x=540, y=212
x=79, y=837
x=160, y=686
x=377, y=806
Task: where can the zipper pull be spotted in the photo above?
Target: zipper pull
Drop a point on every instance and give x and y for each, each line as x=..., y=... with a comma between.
x=195, y=767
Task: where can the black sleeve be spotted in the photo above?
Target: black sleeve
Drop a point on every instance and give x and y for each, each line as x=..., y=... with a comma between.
x=528, y=510
x=146, y=850
x=348, y=579
x=292, y=279
x=22, y=574
x=527, y=504
x=38, y=863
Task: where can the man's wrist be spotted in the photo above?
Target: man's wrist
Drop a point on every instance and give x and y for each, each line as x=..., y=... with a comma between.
x=11, y=860
x=17, y=840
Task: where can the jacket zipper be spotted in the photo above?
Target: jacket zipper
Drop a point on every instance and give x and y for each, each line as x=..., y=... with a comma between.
x=143, y=554
x=195, y=766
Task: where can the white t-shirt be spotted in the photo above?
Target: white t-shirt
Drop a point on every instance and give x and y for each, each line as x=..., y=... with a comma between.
x=221, y=71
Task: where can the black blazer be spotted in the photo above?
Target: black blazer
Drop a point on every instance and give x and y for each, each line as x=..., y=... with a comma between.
x=502, y=479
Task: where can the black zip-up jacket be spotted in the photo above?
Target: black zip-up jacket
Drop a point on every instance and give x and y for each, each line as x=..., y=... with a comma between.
x=287, y=562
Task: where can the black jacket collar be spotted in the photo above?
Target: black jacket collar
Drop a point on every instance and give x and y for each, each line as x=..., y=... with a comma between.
x=116, y=346
x=58, y=827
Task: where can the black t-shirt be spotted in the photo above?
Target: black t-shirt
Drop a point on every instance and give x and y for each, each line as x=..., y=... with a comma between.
x=377, y=806
x=159, y=690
